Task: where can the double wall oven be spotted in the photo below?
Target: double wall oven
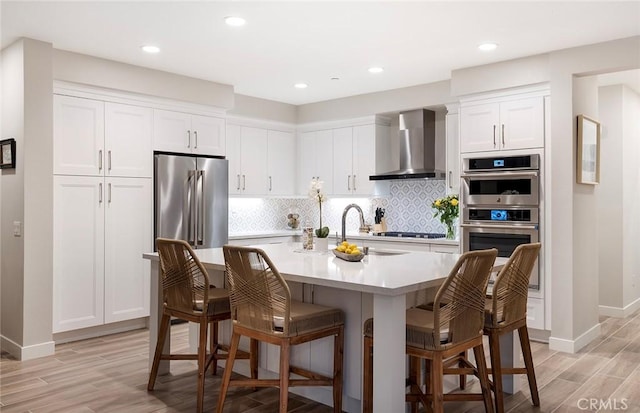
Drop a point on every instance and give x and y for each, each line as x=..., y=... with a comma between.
x=501, y=205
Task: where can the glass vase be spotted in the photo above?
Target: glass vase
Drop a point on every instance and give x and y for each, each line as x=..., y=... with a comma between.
x=451, y=230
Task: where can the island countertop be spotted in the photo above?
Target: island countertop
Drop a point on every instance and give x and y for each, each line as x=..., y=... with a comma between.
x=392, y=274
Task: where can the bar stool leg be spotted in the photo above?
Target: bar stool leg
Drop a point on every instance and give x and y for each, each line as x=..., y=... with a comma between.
x=483, y=375
x=202, y=363
x=162, y=336
x=338, y=355
x=228, y=368
x=213, y=346
x=437, y=370
x=367, y=379
x=523, y=333
x=496, y=370
x=284, y=375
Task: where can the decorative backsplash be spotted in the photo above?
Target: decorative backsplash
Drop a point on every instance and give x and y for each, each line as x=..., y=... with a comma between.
x=408, y=208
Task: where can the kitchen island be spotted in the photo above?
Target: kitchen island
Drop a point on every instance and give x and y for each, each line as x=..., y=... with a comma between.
x=379, y=285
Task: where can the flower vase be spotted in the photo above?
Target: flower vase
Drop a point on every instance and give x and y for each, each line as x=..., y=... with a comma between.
x=451, y=230
x=322, y=244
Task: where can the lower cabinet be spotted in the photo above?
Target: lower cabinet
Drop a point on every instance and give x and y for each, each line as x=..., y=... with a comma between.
x=102, y=226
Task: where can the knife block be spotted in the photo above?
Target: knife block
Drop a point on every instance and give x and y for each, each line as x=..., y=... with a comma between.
x=381, y=227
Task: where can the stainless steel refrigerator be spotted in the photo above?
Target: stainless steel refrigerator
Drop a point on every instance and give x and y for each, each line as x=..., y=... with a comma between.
x=191, y=199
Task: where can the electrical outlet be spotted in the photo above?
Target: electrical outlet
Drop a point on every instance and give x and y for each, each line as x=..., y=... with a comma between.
x=17, y=228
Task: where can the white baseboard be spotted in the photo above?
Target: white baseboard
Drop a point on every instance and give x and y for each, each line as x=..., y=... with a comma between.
x=24, y=353
x=573, y=346
x=98, y=331
x=618, y=312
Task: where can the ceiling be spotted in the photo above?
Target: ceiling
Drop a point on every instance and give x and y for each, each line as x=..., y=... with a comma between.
x=284, y=43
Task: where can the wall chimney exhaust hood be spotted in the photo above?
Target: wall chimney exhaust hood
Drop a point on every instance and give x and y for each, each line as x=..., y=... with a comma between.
x=417, y=143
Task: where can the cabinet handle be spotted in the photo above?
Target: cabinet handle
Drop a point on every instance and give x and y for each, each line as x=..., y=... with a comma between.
x=100, y=193
x=503, y=135
x=109, y=193
x=348, y=182
x=270, y=183
x=494, y=136
x=188, y=139
x=354, y=182
x=450, y=179
x=109, y=158
x=195, y=134
x=238, y=188
x=244, y=182
x=100, y=160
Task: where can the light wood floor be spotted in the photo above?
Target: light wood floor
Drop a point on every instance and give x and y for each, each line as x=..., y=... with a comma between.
x=109, y=374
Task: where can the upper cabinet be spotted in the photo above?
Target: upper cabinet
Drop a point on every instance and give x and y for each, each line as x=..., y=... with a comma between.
x=502, y=124
x=96, y=138
x=261, y=161
x=185, y=133
x=344, y=157
x=452, y=121
x=354, y=160
x=315, y=156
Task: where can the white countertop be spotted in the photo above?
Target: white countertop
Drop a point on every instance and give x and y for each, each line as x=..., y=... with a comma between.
x=389, y=275
x=350, y=236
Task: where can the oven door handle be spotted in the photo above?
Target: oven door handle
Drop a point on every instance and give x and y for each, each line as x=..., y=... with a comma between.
x=500, y=226
x=503, y=174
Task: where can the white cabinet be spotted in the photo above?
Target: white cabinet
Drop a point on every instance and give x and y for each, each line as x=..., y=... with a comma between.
x=102, y=226
x=504, y=125
x=453, y=149
x=354, y=160
x=78, y=252
x=281, y=165
x=98, y=138
x=315, y=153
x=247, y=155
x=127, y=236
x=186, y=133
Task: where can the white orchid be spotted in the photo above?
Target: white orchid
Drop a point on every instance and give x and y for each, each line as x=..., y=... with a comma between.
x=315, y=193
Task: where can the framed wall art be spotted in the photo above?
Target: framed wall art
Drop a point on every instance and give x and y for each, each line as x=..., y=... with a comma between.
x=8, y=153
x=588, y=162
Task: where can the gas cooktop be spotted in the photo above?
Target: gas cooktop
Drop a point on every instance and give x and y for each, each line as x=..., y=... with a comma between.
x=409, y=234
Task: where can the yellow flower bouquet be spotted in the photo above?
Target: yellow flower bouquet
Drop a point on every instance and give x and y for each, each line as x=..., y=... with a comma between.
x=447, y=209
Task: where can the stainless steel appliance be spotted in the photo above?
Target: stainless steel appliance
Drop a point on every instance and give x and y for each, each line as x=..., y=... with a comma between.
x=500, y=205
x=399, y=234
x=191, y=199
x=510, y=180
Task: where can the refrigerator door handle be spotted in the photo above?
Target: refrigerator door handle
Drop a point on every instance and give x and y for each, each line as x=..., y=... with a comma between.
x=200, y=197
x=190, y=206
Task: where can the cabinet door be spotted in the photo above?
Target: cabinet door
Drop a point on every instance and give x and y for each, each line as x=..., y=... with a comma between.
x=127, y=236
x=233, y=137
x=128, y=140
x=342, y=161
x=281, y=164
x=522, y=123
x=253, y=150
x=364, y=159
x=453, y=154
x=306, y=161
x=78, y=136
x=479, y=127
x=208, y=135
x=172, y=131
x=323, y=155
x=78, y=252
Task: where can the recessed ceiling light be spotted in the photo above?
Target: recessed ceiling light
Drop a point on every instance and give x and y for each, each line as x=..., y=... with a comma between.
x=234, y=21
x=300, y=85
x=486, y=47
x=376, y=70
x=150, y=49
x=335, y=78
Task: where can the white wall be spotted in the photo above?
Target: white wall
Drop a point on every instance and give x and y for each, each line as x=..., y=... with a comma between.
x=257, y=108
x=429, y=95
x=27, y=261
x=89, y=70
x=619, y=200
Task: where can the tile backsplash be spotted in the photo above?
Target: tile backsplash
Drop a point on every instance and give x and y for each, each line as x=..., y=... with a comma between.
x=408, y=208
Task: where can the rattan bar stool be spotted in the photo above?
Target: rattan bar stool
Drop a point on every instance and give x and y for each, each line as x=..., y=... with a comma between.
x=452, y=327
x=262, y=309
x=506, y=311
x=188, y=295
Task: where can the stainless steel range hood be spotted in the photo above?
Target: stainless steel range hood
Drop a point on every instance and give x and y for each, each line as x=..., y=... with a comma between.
x=417, y=142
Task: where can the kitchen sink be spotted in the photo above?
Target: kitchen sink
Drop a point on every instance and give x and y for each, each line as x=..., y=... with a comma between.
x=376, y=251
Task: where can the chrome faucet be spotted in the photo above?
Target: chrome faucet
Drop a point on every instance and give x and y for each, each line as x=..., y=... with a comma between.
x=344, y=219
